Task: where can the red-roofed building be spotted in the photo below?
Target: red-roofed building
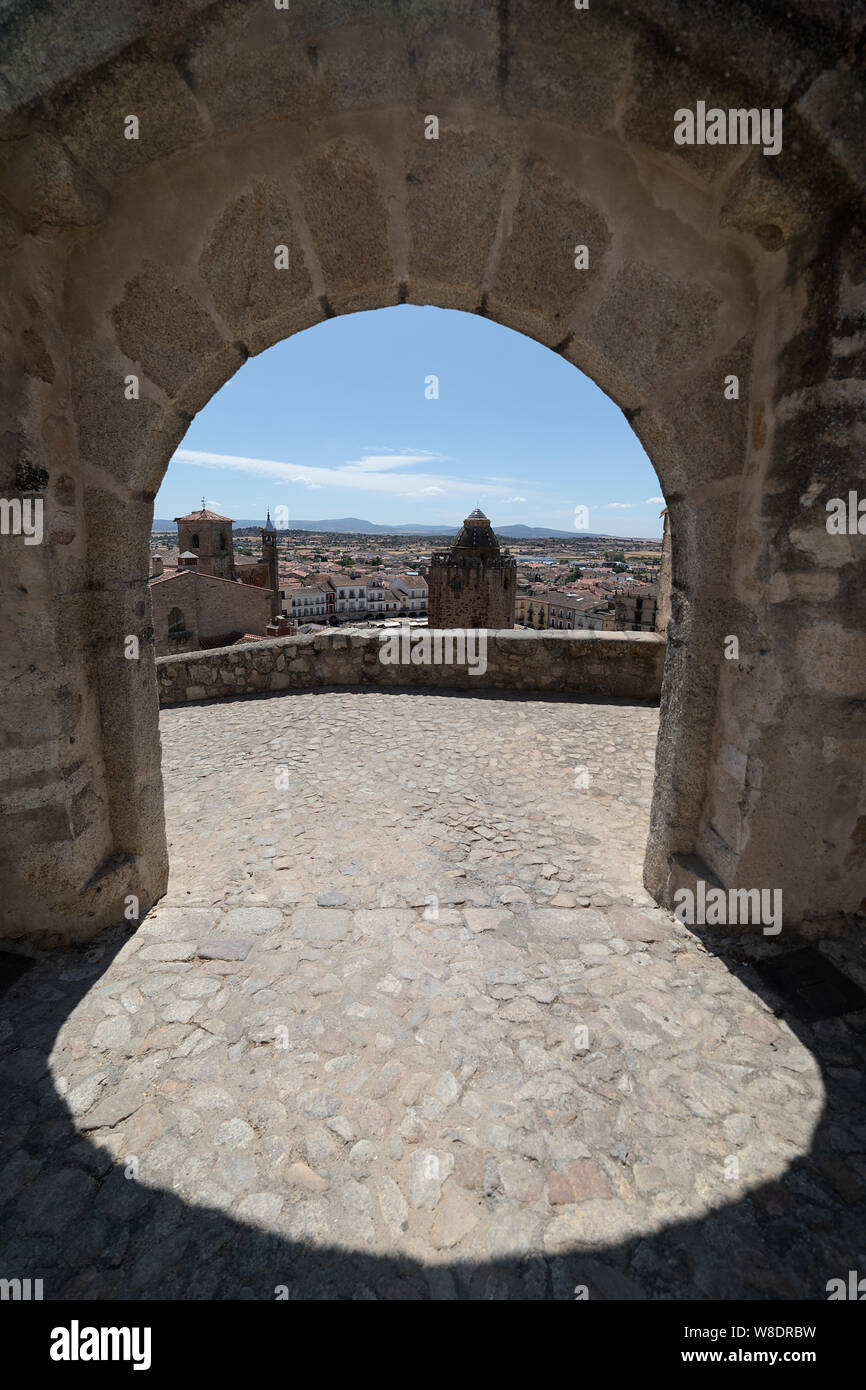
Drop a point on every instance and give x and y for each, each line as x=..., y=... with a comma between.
x=192, y=611
x=210, y=600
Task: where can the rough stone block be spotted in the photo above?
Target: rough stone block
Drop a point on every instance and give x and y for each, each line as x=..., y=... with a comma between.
x=454, y=223
x=239, y=268
x=162, y=327
x=652, y=325
x=664, y=82
x=566, y=65
x=346, y=213
x=133, y=85
x=49, y=188
x=569, y=924
x=321, y=923
x=537, y=285
x=218, y=949
x=250, y=64
x=834, y=105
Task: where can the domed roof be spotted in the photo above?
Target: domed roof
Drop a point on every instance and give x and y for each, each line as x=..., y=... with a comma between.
x=476, y=536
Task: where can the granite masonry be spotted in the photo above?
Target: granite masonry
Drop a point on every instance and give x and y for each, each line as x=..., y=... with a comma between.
x=474, y=582
x=140, y=274
x=625, y=665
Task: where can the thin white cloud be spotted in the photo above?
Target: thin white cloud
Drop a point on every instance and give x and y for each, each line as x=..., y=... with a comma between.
x=347, y=476
x=383, y=462
x=625, y=506
x=514, y=499
x=651, y=501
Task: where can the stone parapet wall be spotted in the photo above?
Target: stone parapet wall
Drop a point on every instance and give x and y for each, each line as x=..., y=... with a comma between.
x=625, y=665
x=706, y=266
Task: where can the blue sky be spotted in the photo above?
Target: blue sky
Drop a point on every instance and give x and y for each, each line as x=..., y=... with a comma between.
x=335, y=422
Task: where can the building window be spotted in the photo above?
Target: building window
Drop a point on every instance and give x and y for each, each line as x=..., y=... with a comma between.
x=195, y=544
x=176, y=622
x=222, y=541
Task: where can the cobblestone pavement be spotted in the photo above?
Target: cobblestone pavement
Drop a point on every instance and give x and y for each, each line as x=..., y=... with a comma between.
x=408, y=1026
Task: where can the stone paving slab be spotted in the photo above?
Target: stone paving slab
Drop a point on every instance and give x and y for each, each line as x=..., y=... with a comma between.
x=496, y=1070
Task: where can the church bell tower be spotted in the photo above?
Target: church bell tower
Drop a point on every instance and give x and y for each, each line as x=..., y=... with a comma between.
x=269, y=555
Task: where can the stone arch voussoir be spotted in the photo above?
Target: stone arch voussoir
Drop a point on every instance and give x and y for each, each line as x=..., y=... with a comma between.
x=154, y=261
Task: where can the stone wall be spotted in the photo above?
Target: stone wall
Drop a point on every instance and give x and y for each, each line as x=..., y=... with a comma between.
x=663, y=607
x=212, y=607
x=474, y=594
x=153, y=258
x=627, y=665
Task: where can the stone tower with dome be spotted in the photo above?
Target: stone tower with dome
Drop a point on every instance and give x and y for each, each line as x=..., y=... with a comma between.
x=472, y=585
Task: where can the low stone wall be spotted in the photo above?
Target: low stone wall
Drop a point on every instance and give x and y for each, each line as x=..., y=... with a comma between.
x=626, y=665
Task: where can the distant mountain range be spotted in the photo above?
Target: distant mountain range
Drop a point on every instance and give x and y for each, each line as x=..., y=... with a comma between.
x=354, y=525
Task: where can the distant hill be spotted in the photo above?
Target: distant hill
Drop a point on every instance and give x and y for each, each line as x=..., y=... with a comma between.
x=353, y=525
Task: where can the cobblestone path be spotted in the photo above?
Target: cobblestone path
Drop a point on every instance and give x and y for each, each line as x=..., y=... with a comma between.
x=408, y=1026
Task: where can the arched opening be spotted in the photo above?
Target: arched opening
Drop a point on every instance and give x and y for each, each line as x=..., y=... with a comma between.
x=284, y=176
x=502, y=434
x=176, y=622
x=669, y=312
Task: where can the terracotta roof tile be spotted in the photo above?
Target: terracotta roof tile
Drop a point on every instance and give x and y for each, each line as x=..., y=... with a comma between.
x=203, y=515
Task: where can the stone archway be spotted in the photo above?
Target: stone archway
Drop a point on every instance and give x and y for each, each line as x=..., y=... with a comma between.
x=154, y=259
